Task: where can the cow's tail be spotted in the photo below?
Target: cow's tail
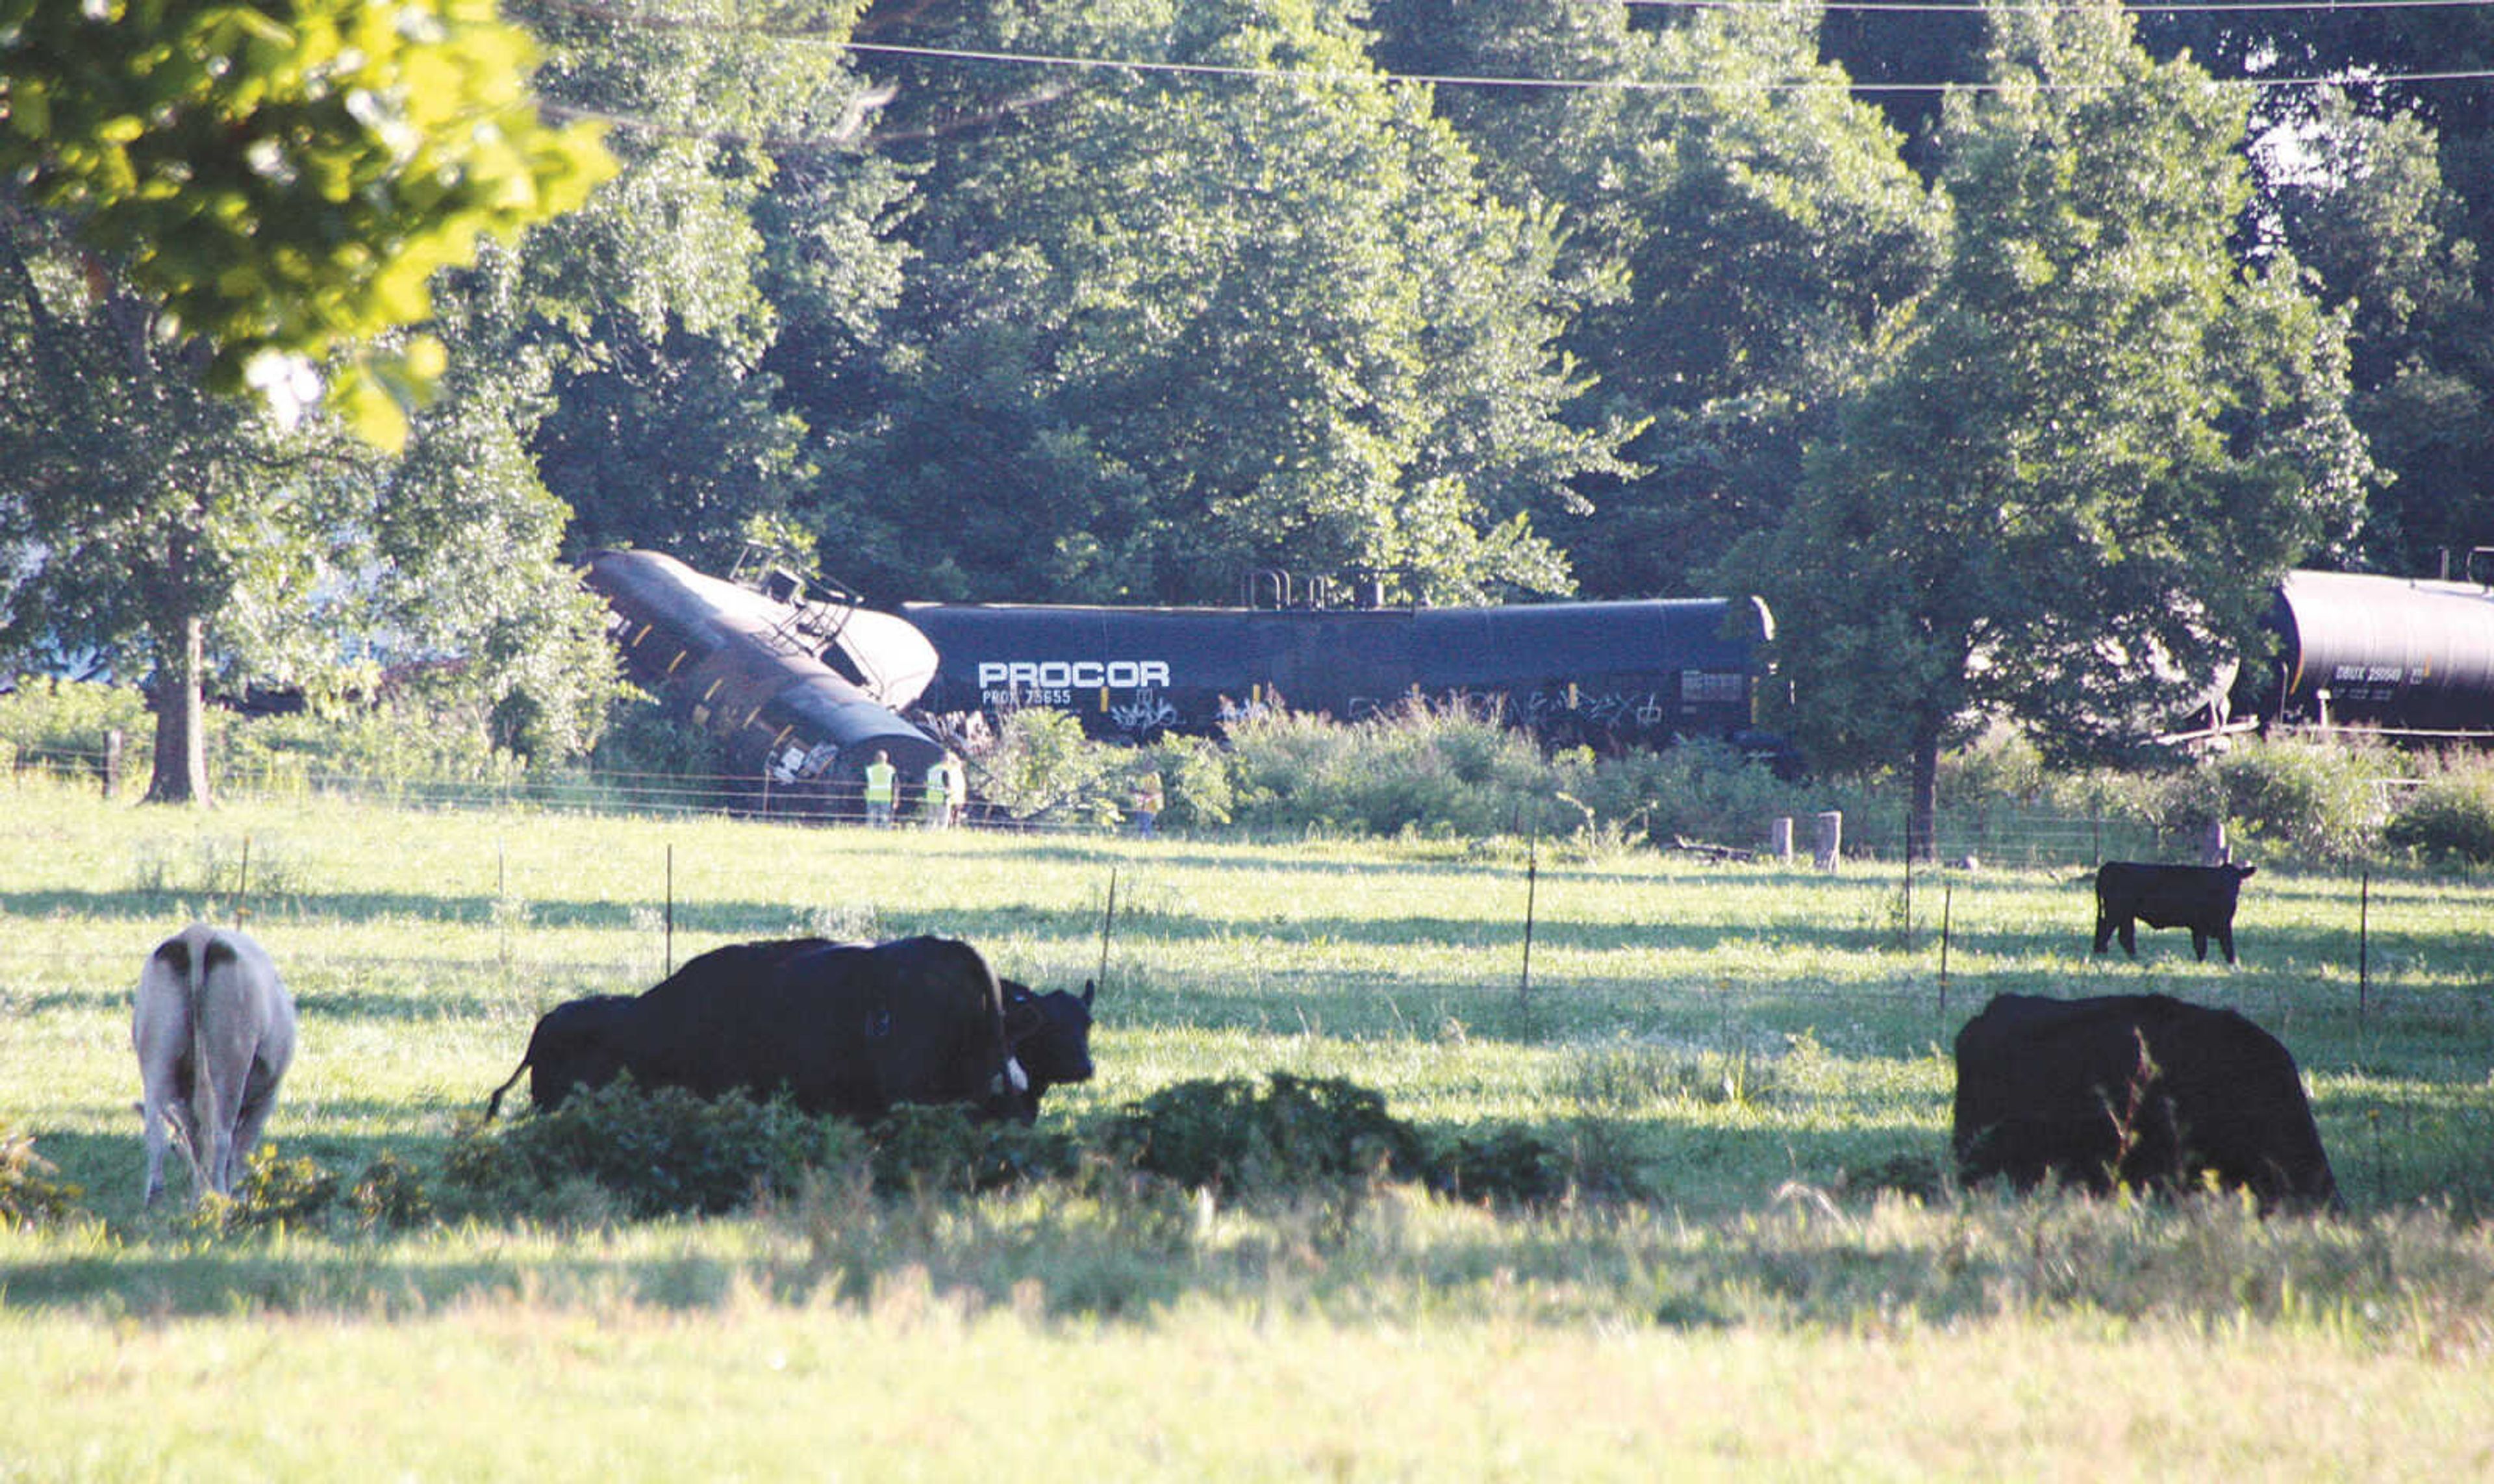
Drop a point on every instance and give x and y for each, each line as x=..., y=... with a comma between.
x=215, y=957
x=493, y=1103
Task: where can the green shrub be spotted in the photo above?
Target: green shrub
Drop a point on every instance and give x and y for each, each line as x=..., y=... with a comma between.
x=407, y=739
x=1197, y=773
x=1704, y=790
x=2313, y=801
x=2448, y=818
x=1043, y=769
x=653, y=1153
x=943, y=1149
x=656, y=758
x=272, y=1193
x=1231, y=1137
x=29, y=1195
x=64, y=726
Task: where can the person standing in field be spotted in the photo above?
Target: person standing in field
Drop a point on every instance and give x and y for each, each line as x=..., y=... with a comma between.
x=881, y=781
x=1145, y=806
x=948, y=789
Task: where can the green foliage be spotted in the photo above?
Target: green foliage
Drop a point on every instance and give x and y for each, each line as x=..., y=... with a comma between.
x=284, y=184
x=1230, y=1135
x=1197, y=782
x=1437, y=771
x=945, y=1151
x=2312, y=800
x=2448, y=818
x=1162, y=334
x=300, y=1195
x=1041, y=769
x=2064, y=495
x=64, y=725
x=648, y=1153
x=29, y=1195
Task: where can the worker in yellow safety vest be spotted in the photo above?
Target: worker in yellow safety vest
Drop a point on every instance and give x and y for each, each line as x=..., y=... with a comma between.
x=880, y=778
x=948, y=789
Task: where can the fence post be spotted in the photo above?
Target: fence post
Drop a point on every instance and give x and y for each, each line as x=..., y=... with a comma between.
x=1948, y=892
x=2364, y=949
x=1779, y=837
x=2213, y=849
x=1830, y=839
x=1531, y=879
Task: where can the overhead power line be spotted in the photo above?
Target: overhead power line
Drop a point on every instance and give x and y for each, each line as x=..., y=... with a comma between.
x=623, y=16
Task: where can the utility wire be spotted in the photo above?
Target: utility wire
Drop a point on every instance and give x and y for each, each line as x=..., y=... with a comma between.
x=598, y=10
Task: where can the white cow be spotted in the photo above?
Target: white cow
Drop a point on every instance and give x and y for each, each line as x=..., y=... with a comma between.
x=214, y=1028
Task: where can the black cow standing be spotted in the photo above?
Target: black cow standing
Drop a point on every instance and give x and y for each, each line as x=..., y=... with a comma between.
x=847, y=1029
x=2139, y=1090
x=2200, y=897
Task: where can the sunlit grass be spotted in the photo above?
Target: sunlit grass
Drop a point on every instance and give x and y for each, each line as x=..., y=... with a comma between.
x=1764, y=1048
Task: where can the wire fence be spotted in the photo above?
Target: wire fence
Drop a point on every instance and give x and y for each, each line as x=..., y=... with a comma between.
x=1997, y=833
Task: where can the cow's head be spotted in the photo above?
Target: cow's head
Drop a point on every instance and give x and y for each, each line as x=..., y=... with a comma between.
x=1050, y=1034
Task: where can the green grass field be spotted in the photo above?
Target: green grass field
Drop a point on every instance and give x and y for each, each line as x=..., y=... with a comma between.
x=1763, y=1049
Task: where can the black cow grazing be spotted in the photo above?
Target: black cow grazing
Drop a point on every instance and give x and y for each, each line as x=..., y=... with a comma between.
x=2200, y=897
x=2139, y=1090
x=842, y=1028
x=578, y=1043
x=1050, y=1033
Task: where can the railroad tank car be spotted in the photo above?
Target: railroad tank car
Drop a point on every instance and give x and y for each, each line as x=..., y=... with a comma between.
x=2394, y=654
x=756, y=669
x=1606, y=674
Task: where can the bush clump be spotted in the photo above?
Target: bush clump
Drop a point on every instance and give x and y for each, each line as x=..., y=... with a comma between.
x=652, y=1153
x=2448, y=818
x=944, y=1150
x=2314, y=801
x=29, y=1195
x=1233, y=1138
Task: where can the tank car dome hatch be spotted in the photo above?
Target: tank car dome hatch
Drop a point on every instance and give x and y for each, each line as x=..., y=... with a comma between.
x=2397, y=653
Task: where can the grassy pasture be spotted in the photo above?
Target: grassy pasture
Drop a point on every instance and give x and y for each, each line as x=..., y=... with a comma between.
x=1766, y=1049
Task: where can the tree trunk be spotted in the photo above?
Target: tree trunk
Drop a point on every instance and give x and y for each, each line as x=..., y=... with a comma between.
x=1922, y=813
x=181, y=770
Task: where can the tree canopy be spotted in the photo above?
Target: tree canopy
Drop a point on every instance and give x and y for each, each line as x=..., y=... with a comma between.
x=2013, y=403
x=2064, y=497
x=283, y=181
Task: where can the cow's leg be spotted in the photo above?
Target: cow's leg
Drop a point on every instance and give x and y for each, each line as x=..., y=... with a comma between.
x=2199, y=944
x=185, y=1128
x=2130, y=936
x=257, y=1099
x=160, y=1131
x=2104, y=930
x=2226, y=941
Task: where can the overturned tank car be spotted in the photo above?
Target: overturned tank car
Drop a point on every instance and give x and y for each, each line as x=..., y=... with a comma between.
x=803, y=692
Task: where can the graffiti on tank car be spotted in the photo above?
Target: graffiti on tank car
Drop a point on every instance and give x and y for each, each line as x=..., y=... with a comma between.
x=1146, y=714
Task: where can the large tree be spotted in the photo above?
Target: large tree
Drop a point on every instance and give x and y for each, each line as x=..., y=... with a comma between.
x=746, y=203
x=2065, y=497
x=1169, y=329
x=204, y=198
x=280, y=181
x=1738, y=231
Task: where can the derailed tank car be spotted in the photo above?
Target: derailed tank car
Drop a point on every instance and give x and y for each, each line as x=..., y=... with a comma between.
x=2390, y=653
x=1608, y=674
x=756, y=670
